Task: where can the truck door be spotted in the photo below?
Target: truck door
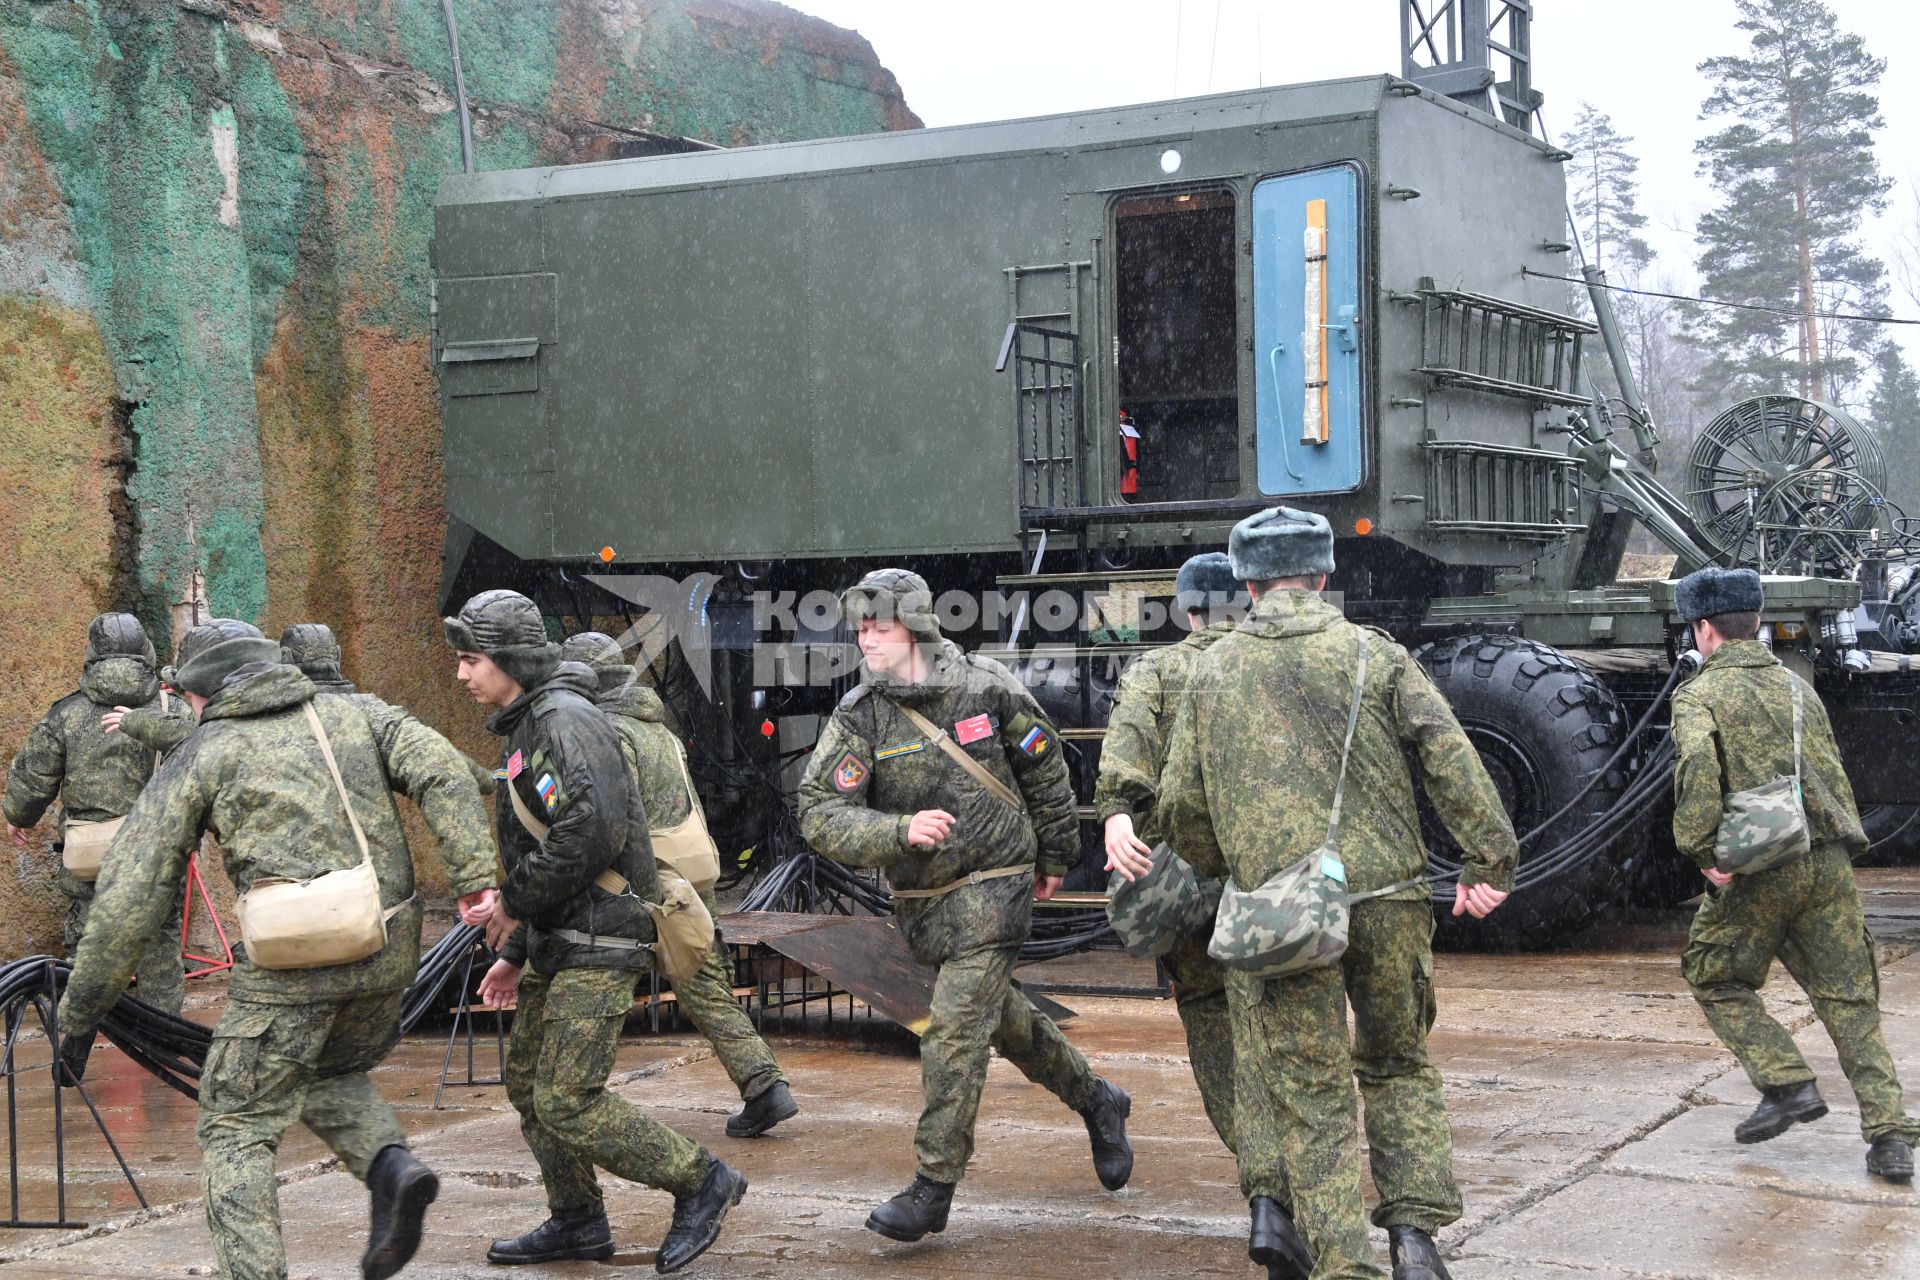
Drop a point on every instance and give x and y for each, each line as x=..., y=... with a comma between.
x=1307, y=319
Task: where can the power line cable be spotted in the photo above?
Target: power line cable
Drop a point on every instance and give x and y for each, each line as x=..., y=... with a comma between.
x=1788, y=312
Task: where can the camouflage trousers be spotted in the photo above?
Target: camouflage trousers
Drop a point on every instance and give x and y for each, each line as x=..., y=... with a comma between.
x=1200, y=996
x=976, y=1006
x=565, y=1034
x=160, y=980
x=1807, y=913
x=272, y=1065
x=707, y=999
x=1293, y=1090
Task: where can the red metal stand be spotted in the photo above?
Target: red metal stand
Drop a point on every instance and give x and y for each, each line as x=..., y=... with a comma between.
x=208, y=964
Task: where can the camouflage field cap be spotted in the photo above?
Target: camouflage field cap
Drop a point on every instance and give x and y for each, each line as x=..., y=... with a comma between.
x=118, y=635
x=215, y=650
x=889, y=594
x=601, y=652
x=311, y=646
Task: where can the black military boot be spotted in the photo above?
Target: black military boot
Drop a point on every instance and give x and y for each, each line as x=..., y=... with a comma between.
x=697, y=1218
x=920, y=1209
x=1781, y=1107
x=585, y=1237
x=1276, y=1244
x=1414, y=1255
x=402, y=1188
x=763, y=1111
x=1890, y=1158
x=1106, y=1118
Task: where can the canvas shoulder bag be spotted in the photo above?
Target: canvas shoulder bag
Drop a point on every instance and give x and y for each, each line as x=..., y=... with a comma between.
x=1766, y=826
x=1168, y=901
x=83, y=845
x=1298, y=920
x=687, y=847
x=329, y=919
x=683, y=928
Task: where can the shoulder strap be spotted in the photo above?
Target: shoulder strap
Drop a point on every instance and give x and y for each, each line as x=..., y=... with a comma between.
x=1797, y=720
x=339, y=785
x=680, y=755
x=166, y=708
x=1346, y=749
x=610, y=880
x=961, y=758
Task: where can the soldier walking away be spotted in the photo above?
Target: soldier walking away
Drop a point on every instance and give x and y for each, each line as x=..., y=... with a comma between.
x=1248, y=786
x=1733, y=727
x=579, y=874
x=74, y=753
x=959, y=845
x=1126, y=800
x=295, y=1044
x=656, y=760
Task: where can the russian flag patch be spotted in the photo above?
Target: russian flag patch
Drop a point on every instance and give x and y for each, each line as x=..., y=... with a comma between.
x=1036, y=742
x=547, y=791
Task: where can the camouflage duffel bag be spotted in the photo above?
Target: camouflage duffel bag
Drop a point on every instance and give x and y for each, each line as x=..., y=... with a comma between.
x=1766, y=826
x=1170, y=899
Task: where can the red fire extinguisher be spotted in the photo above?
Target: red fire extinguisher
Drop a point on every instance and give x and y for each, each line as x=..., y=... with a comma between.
x=1130, y=446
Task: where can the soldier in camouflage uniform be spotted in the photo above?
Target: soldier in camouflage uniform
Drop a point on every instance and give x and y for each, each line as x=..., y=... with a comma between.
x=293, y=1044
x=75, y=754
x=1246, y=792
x=579, y=872
x=881, y=792
x=1125, y=800
x=656, y=759
x=1733, y=730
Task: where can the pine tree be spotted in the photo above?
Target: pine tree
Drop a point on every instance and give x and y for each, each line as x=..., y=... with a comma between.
x=1796, y=172
x=1894, y=412
x=1604, y=190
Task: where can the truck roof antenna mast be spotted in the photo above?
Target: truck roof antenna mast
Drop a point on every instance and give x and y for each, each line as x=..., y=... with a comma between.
x=1458, y=48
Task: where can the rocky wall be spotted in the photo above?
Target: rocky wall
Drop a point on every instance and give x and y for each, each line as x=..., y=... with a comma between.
x=214, y=227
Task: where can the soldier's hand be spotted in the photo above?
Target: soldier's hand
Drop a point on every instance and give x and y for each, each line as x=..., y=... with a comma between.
x=1476, y=900
x=1046, y=886
x=478, y=907
x=500, y=988
x=74, y=1052
x=500, y=927
x=111, y=720
x=929, y=827
x=1718, y=878
x=1126, y=852
x=17, y=835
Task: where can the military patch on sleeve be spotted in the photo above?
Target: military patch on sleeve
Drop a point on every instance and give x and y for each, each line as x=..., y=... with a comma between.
x=1037, y=741
x=849, y=773
x=899, y=749
x=548, y=791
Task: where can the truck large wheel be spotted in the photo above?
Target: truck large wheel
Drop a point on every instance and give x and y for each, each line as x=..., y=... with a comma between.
x=1893, y=834
x=1543, y=724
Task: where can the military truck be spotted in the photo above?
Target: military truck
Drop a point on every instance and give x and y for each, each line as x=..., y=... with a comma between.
x=1043, y=361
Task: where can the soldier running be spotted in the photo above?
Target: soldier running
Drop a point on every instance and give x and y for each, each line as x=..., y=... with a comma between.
x=959, y=845
x=1247, y=789
x=580, y=872
x=295, y=1044
x=1733, y=727
x=657, y=762
x=75, y=753
x=1126, y=800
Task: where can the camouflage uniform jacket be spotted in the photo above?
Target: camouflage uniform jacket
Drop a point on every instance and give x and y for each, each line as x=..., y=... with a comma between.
x=97, y=775
x=651, y=751
x=873, y=769
x=252, y=776
x=1134, y=750
x=1733, y=730
x=562, y=757
x=1256, y=749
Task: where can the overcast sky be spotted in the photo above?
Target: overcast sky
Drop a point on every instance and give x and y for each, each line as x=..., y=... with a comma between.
x=966, y=60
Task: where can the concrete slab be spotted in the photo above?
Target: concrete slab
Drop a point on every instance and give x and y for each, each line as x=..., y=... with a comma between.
x=1825, y=1159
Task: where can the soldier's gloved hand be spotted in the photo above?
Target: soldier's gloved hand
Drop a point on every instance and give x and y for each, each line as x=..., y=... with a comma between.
x=74, y=1052
x=1476, y=900
x=1126, y=852
x=929, y=827
x=500, y=988
x=17, y=835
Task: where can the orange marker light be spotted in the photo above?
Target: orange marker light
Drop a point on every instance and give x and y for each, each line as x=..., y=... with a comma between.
x=1363, y=526
x=606, y=555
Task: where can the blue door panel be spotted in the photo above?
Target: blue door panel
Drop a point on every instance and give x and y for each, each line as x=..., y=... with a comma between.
x=1285, y=286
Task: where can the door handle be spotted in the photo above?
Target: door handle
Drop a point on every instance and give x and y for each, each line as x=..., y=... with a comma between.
x=1346, y=333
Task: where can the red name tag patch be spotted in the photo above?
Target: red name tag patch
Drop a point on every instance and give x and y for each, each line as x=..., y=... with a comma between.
x=515, y=765
x=973, y=730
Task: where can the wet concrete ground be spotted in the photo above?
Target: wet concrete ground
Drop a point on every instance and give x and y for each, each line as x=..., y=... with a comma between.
x=1592, y=1115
